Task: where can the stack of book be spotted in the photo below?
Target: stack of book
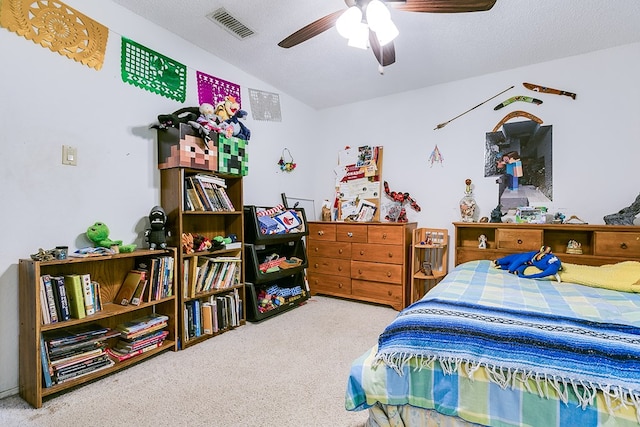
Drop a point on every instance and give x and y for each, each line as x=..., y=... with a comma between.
x=211, y=315
x=204, y=192
x=71, y=296
x=73, y=352
x=140, y=335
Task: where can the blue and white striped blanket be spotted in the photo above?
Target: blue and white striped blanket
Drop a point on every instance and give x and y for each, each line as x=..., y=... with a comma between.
x=538, y=334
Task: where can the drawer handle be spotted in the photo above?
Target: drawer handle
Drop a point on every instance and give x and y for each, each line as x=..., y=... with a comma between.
x=389, y=293
x=384, y=235
x=390, y=254
x=349, y=234
x=340, y=268
x=519, y=241
x=316, y=265
x=623, y=245
x=362, y=252
x=339, y=285
x=388, y=274
x=316, y=249
x=339, y=251
x=320, y=233
x=359, y=271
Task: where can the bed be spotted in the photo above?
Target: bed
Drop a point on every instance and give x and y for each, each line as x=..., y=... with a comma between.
x=486, y=347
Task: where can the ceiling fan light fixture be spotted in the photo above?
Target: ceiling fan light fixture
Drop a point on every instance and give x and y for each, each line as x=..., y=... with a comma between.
x=387, y=33
x=348, y=22
x=360, y=36
x=377, y=15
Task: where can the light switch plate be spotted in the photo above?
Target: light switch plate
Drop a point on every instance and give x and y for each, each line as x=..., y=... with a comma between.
x=69, y=155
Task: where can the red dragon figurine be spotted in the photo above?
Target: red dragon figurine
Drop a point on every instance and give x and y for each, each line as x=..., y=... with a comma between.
x=401, y=199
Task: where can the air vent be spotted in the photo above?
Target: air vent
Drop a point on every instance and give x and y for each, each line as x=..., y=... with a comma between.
x=230, y=23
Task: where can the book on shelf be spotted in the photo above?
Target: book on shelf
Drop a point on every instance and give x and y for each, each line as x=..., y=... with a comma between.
x=136, y=299
x=89, y=308
x=209, y=192
x=77, y=334
x=153, y=337
x=129, y=286
x=46, y=368
x=99, y=363
x=216, y=180
x=207, y=318
x=73, y=286
x=145, y=324
x=97, y=296
x=192, y=194
x=44, y=304
x=51, y=299
x=202, y=195
x=124, y=355
x=62, y=302
x=226, y=200
x=233, y=245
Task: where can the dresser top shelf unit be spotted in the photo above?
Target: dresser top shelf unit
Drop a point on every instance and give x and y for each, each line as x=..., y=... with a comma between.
x=600, y=244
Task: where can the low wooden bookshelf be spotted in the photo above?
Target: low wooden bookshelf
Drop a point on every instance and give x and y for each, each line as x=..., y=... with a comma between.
x=109, y=271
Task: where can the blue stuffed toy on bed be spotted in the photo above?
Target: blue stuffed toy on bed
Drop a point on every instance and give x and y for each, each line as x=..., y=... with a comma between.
x=544, y=260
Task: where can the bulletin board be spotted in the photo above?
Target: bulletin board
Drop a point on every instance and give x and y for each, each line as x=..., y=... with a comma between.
x=359, y=184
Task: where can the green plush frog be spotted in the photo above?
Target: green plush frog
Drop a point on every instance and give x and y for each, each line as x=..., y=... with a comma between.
x=98, y=233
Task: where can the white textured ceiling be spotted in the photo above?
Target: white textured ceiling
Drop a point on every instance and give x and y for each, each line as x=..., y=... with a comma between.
x=431, y=49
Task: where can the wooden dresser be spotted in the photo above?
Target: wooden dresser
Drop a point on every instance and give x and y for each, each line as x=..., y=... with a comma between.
x=361, y=261
x=601, y=244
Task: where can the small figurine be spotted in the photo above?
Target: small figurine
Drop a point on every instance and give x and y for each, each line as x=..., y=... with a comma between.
x=157, y=234
x=496, y=214
x=482, y=242
x=574, y=247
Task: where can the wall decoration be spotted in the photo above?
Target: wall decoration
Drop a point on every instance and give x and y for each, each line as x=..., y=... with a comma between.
x=151, y=71
x=212, y=90
x=58, y=27
x=265, y=105
x=358, y=177
x=436, y=156
x=286, y=162
x=518, y=98
x=441, y=125
x=520, y=155
x=538, y=88
x=233, y=157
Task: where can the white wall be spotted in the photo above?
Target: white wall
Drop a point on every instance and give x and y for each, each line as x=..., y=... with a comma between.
x=595, y=137
x=48, y=101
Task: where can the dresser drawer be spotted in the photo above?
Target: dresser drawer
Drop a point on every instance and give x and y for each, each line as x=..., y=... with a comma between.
x=622, y=244
x=324, y=283
x=519, y=240
x=379, y=292
x=350, y=232
x=385, y=234
x=334, y=266
x=386, y=273
x=329, y=249
x=377, y=253
x=322, y=231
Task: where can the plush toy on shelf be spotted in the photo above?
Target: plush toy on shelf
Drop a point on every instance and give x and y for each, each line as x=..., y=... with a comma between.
x=209, y=121
x=157, y=234
x=229, y=112
x=98, y=233
x=544, y=260
x=173, y=120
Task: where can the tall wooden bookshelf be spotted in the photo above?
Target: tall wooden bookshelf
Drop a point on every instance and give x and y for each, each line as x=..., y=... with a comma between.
x=210, y=224
x=109, y=271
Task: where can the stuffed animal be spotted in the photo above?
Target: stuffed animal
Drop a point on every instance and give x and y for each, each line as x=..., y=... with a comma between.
x=157, y=234
x=544, y=260
x=229, y=111
x=98, y=233
x=401, y=199
x=187, y=243
x=208, y=121
x=173, y=120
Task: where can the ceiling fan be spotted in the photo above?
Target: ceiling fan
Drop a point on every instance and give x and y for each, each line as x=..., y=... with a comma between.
x=384, y=53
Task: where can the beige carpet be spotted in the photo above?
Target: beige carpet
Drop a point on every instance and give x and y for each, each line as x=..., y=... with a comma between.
x=289, y=370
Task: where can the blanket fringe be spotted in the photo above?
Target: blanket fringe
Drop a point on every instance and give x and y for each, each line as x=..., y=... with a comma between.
x=615, y=397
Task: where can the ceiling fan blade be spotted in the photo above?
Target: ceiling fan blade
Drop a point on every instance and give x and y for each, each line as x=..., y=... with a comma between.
x=442, y=6
x=311, y=30
x=386, y=55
